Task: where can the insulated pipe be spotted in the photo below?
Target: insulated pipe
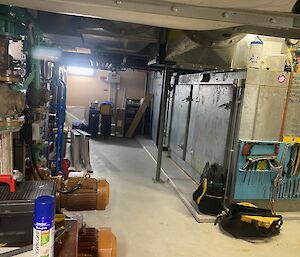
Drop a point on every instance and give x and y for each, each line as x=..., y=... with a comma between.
x=162, y=115
x=6, y=153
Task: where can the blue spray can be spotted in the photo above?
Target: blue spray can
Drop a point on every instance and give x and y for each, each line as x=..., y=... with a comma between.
x=44, y=226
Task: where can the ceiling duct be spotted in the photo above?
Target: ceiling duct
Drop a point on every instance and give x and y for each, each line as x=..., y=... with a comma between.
x=212, y=49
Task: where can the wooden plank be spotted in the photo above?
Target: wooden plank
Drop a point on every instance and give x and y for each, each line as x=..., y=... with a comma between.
x=137, y=118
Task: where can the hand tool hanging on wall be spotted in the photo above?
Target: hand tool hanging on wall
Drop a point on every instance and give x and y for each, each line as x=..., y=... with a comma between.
x=292, y=161
x=262, y=163
x=296, y=169
x=278, y=179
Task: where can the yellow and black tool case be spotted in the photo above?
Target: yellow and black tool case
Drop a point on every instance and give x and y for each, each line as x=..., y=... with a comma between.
x=209, y=195
x=245, y=220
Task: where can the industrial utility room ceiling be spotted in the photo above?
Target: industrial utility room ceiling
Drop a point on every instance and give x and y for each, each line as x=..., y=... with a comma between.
x=180, y=117
x=169, y=14
x=120, y=43
x=190, y=33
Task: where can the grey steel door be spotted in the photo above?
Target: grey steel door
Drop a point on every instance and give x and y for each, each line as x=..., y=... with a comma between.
x=179, y=119
x=210, y=114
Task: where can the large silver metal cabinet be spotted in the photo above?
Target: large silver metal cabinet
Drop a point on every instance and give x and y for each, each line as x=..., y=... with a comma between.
x=263, y=104
x=201, y=135
x=292, y=126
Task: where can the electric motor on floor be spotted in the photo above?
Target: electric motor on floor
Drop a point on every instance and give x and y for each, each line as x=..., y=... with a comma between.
x=78, y=194
x=96, y=243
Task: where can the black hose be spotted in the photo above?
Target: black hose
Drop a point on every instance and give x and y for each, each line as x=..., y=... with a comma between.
x=70, y=190
x=32, y=161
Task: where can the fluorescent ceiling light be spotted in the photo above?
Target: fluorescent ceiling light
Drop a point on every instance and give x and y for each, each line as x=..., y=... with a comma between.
x=80, y=71
x=46, y=53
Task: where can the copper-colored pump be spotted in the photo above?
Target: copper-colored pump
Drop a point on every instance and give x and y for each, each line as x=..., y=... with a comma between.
x=107, y=243
x=97, y=243
x=78, y=194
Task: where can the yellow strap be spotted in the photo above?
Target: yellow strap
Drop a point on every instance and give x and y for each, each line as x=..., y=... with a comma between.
x=213, y=196
x=247, y=204
x=264, y=222
x=204, y=190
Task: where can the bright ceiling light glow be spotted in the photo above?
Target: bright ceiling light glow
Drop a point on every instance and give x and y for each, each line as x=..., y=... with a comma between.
x=46, y=53
x=80, y=71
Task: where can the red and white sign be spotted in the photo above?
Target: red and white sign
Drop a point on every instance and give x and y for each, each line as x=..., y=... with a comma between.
x=281, y=78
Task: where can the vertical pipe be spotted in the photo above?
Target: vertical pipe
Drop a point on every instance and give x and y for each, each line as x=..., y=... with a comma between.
x=166, y=138
x=172, y=110
x=162, y=115
x=160, y=104
x=58, y=120
x=287, y=99
x=234, y=140
x=145, y=92
x=6, y=153
x=4, y=65
x=187, y=125
x=37, y=73
x=117, y=87
x=230, y=129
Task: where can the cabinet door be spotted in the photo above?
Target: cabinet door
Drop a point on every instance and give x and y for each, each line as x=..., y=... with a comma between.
x=210, y=115
x=179, y=119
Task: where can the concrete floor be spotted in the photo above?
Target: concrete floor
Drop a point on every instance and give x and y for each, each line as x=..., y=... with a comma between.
x=149, y=220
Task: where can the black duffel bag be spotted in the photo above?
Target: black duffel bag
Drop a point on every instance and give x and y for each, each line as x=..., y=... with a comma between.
x=245, y=220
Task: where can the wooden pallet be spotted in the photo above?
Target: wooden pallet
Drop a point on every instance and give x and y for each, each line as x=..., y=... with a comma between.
x=137, y=118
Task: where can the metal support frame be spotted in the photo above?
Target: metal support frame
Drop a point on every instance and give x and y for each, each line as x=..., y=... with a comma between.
x=162, y=115
x=233, y=139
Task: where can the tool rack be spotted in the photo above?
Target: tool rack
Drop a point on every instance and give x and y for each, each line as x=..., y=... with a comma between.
x=257, y=183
